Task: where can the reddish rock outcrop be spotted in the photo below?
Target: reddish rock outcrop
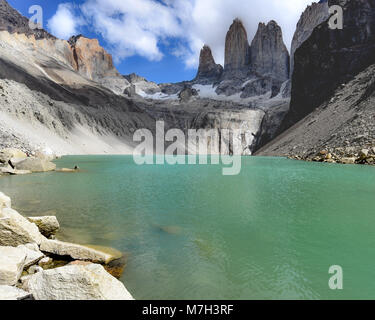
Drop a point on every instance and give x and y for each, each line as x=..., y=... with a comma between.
x=91, y=60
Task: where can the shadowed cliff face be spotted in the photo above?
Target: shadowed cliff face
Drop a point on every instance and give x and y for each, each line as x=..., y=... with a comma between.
x=330, y=58
x=314, y=15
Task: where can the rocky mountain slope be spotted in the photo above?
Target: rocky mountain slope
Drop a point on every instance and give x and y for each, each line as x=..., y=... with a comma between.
x=332, y=105
x=68, y=97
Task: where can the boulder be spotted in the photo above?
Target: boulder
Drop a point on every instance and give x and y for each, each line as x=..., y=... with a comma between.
x=13, y=293
x=12, y=262
x=48, y=225
x=35, y=165
x=348, y=160
x=9, y=170
x=16, y=229
x=32, y=252
x=363, y=154
x=75, y=251
x=11, y=153
x=186, y=94
x=76, y=282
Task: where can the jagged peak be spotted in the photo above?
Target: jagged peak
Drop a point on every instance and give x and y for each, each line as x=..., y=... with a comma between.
x=208, y=69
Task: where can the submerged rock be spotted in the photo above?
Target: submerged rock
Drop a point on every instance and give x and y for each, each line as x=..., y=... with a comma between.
x=170, y=229
x=76, y=282
x=48, y=225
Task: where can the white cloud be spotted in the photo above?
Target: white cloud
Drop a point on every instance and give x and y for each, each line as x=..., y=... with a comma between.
x=140, y=27
x=64, y=23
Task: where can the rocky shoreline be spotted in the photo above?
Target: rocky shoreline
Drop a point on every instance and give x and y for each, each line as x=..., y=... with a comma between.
x=341, y=155
x=34, y=265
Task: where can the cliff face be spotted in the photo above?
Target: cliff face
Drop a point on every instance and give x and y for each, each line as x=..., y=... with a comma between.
x=208, y=70
x=255, y=70
x=314, y=15
x=95, y=63
x=91, y=60
x=13, y=22
x=332, y=105
x=330, y=58
x=269, y=55
x=237, y=53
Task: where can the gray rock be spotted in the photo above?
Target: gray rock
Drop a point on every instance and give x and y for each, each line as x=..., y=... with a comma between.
x=35, y=165
x=12, y=262
x=13, y=293
x=10, y=171
x=208, y=70
x=33, y=255
x=237, y=50
x=16, y=230
x=75, y=251
x=11, y=153
x=48, y=225
x=186, y=94
x=330, y=58
x=315, y=14
x=269, y=55
x=76, y=282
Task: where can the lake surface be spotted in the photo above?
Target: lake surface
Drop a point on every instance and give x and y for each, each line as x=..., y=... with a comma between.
x=189, y=232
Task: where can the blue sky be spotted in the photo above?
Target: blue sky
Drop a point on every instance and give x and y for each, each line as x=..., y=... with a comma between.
x=161, y=39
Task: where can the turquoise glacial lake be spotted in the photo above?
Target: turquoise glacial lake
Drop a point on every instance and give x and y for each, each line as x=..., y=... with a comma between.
x=188, y=232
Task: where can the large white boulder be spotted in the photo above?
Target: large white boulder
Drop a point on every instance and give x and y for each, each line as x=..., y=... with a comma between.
x=75, y=251
x=35, y=165
x=12, y=261
x=13, y=293
x=76, y=282
x=48, y=225
x=16, y=229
